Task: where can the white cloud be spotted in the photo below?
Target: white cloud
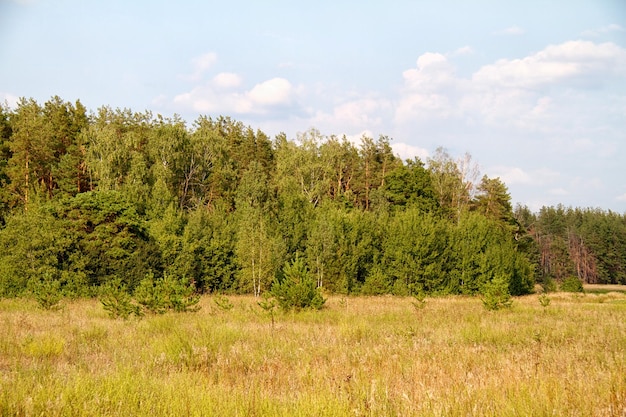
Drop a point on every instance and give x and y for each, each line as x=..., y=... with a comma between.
x=356, y=139
x=621, y=197
x=363, y=112
x=200, y=65
x=274, y=92
x=433, y=70
x=511, y=175
x=406, y=151
x=465, y=50
x=9, y=99
x=222, y=95
x=540, y=92
x=355, y=114
x=511, y=31
x=554, y=64
x=226, y=80
x=592, y=33
x=519, y=177
x=429, y=89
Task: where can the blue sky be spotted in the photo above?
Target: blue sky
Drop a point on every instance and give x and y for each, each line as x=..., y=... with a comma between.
x=535, y=91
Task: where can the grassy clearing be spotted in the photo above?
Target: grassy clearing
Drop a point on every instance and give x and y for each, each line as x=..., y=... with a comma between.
x=604, y=288
x=357, y=357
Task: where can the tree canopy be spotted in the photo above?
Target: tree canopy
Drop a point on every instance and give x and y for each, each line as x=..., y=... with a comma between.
x=90, y=198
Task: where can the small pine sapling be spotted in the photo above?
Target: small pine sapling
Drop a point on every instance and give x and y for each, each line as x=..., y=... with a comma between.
x=117, y=301
x=496, y=295
x=268, y=305
x=223, y=303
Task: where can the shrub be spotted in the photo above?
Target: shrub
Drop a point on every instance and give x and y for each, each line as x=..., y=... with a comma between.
x=572, y=284
x=376, y=283
x=168, y=293
x=223, y=303
x=47, y=292
x=548, y=284
x=150, y=295
x=117, y=301
x=268, y=304
x=296, y=288
x=496, y=295
x=419, y=300
x=544, y=300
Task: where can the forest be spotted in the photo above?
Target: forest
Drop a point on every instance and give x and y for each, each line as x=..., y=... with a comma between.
x=90, y=198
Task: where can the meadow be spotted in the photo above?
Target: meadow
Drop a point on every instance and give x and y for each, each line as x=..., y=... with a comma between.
x=361, y=356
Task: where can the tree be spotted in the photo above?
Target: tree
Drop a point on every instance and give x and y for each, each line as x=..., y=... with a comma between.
x=295, y=288
x=482, y=251
x=341, y=160
x=258, y=249
x=30, y=152
x=453, y=181
x=300, y=168
x=110, y=239
x=377, y=160
x=208, y=250
x=410, y=185
x=320, y=243
x=33, y=245
x=5, y=155
x=416, y=253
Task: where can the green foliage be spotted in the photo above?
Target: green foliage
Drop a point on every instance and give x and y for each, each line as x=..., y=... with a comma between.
x=410, y=185
x=88, y=198
x=181, y=294
x=376, y=283
x=419, y=300
x=117, y=301
x=159, y=295
x=296, y=289
x=495, y=294
x=548, y=284
x=47, y=292
x=151, y=296
x=268, y=305
x=572, y=284
x=544, y=300
x=223, y=303
x=416, y=252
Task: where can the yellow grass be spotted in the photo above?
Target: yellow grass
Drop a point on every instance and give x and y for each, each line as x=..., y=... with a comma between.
x=357, y=357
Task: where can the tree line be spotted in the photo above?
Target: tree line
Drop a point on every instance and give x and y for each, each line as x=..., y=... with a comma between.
x=91, y=198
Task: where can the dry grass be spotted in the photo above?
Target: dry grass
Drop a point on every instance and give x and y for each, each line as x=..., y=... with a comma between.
x=359, y=356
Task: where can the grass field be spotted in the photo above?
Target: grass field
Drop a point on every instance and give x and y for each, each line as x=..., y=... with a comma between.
x=361, y=356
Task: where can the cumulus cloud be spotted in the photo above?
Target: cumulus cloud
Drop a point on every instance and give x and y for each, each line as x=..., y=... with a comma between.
x=224, y=95
x=511, y=175
x=226, y=80
x=200, y=65
x=556, y=63
x=406, y=151
x=9, y=99
x=527, y=93
x=514, y=175
x=430, y=89
x=355, y=114
x=274, y=92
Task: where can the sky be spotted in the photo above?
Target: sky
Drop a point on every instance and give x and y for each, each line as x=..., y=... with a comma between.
x=533, y=90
